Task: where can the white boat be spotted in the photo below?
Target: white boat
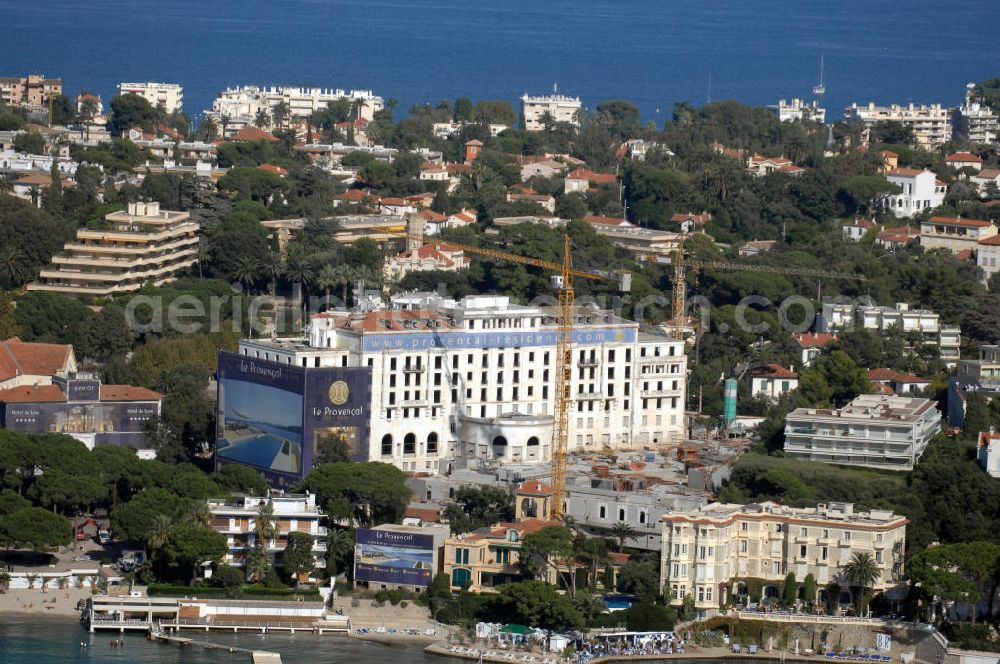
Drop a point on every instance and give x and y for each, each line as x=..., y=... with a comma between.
x=820, y=89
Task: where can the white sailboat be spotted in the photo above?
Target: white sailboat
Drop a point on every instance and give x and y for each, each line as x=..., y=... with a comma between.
x=820, y=89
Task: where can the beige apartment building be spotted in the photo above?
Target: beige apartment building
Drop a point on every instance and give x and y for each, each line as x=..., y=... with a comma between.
x=709, y=552
x=143, y=245
x=33, y=90
x=931, y=124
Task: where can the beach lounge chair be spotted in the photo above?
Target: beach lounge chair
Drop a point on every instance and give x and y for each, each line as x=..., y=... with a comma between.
x=753, y=649
x=737, y=647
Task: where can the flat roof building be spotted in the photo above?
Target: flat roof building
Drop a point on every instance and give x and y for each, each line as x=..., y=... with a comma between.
x=708, y=549
x=873, y=431
x=931, y=124
x=142, y=245
x=798, y=111
x=32, y=91
x=558, y=108
x=166, y=96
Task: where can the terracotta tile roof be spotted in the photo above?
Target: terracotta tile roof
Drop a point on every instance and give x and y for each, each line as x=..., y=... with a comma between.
x=898, y=234
x=535, y=488
x=605, y=221
x=433, y=217
x=459, y=168
x=592, y=177
x=773, y=371
x=697, y=219
x=963, y=255
x=395, y=320
x=993, y=241
x=988, y=174
x=524, y=527
x=34, y=180
x=465, y=216
x=862, y=222
x=271, y=168
x=888, y=153
x=128, y=393
x=814, y=339
x=395, y=202
x=18, y=358
x=251, y=133
x=475, y=142
x=905, y=172
x=964, y=157
x=352, y=195
x=619, y=558
x=427, y=514
x=32, y=394
x=884, y=374
x=958, y=221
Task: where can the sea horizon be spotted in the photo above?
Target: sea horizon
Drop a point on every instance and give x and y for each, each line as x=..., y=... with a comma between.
x=653, y=54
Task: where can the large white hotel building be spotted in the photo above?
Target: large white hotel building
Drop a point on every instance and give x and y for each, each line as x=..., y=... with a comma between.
x=459, y=381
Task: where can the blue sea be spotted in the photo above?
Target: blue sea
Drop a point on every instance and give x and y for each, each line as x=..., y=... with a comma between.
x=652, y=52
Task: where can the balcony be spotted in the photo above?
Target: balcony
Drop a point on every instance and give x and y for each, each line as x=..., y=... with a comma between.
x=415, y=368
x=587, y=363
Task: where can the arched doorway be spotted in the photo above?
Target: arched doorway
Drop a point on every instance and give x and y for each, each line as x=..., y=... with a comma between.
x=500, y=447
x=460, y=577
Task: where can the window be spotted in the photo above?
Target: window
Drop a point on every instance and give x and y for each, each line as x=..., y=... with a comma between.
x=878, y=557
x=777, y=528
x=802, y=551
x=803, y=531
x=847, y=534
x=826, y=534
x=387, y=445
x=878, y=537
x=642, y=517
x=603, y=512
x=410, y=444
x=621, y=514
x=701, y=552
x=744, y=526
x=677, y=551
x=708, y=590
x=743, y=546
x=432, y=443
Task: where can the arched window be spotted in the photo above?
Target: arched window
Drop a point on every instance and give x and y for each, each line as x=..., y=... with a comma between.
x=529, y=508
x=512, y=536
x=432, y=442
x=387, y=445
x=459, y=577
x=500, y=440
x=533, y=441
x=410, y=444
x=499, y=447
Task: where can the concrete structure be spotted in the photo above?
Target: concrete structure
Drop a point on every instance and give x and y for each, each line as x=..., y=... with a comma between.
x=959, y=160
x=837, y=316
x=760, y=166
x=79, y=406
x=395, y=533
x=706, y=550
x=431, y=256
x=988, y=256
x=647, y=245
x=975, y=121
x=988, y=453
x=143, y=245
x=987, y=182
x=559, y=107
x=237, y=520
x=33, y=364
x=920, y=190
x=955, y=234
x=799, y=111
x=811, y=345
x=897, y=382
x=487, y=558
x=240, y=105
x=855, y=230
x=771, y=381
x=582, y=180
x=932, y=125
x=897, y=237
x=472, y=379
x=873, y=431
x=32, y=91
x=167, y=96
x=691, y=222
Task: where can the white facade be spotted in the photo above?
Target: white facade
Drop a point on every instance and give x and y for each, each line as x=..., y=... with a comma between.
x=168, y=96
x=932, y=125
x=560, y=107
x=707, y=548
x=955, y=233
x=474, y=379
x=772, y=382
x=873, y=431
x=798, y=110
x=240, y=105
x=921, y=190
x=848, y=316
x=988, y=256
x=989, y=453
x=975, y=121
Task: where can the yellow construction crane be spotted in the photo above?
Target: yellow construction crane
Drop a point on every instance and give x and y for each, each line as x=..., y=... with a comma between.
x=682, y=266
x=562, y=281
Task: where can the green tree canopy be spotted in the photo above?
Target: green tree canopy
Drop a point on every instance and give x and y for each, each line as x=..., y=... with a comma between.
x=367, y=493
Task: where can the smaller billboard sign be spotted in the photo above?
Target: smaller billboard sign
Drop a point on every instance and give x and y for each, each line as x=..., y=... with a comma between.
x=387, y=556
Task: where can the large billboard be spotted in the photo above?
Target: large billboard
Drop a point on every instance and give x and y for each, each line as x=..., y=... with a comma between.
x=114, y=423
x=459, y=340
x=274, y=416
x=386, y=556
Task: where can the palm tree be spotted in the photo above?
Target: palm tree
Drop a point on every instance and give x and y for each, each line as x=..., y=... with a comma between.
x=157, y=535
x=200, y=515
x=265, y=527
x=5, y=580
x=247, y=271
x=209, y=128
x=280, y=112
x=10, y=266
x=327, y=279
x=31, y=579
x=339, y=546
x=623, y=532
x=262, y=119
x=861, y=571
x=345, y=277
x=297, y=267
x=258, y=564
x=271, y=267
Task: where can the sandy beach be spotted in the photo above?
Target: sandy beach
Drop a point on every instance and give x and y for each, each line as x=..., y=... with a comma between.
x=51, y=603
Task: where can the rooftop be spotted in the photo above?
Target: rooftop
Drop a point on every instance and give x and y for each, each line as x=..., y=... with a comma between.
x=824, y=512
